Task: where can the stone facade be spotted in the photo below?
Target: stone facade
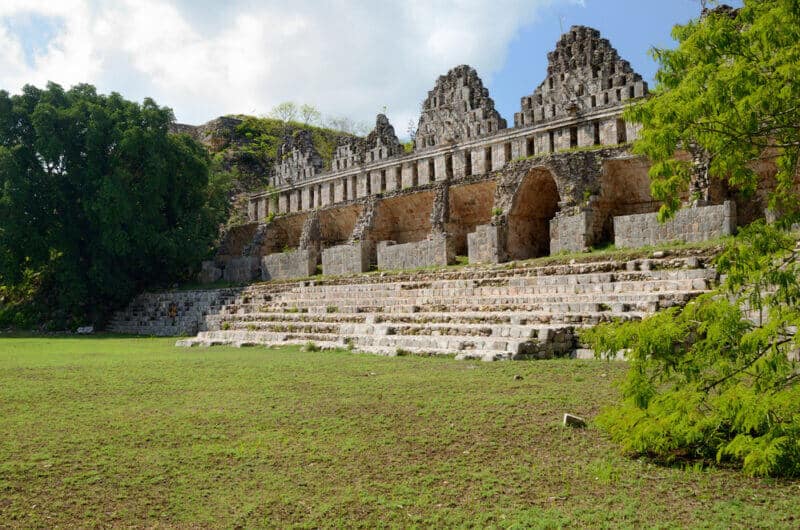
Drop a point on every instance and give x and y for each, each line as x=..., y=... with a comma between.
x=492, y=193
x=689, y=225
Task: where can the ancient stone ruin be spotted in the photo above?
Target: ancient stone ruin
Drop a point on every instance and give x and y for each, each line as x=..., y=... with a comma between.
x=562, y=179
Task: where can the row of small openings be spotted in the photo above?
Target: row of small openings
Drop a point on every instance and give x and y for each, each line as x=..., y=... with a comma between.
x=381, y=154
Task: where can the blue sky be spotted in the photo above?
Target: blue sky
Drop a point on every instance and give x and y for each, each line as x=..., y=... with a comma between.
x=353, y=58
x=632, y=26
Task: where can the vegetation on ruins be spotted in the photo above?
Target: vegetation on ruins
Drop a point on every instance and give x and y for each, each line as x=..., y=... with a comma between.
x=718, y=379
x=263, y=136
x=97, y=202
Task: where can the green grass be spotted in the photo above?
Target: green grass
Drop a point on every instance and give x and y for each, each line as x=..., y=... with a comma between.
x=108, y=431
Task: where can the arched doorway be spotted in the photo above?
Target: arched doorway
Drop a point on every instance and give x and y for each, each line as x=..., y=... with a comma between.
x=535, y=204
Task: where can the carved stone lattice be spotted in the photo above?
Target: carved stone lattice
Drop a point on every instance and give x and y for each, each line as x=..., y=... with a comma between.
x=584, y=72
x=458, y=108
x=298, y=159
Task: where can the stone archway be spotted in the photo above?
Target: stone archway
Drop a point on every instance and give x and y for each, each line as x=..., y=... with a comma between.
x=534, y=205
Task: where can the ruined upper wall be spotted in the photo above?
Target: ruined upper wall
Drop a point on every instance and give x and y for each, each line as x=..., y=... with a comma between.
x=584, y=72
x=458, y=108
x=382, y=142
x=298, y=159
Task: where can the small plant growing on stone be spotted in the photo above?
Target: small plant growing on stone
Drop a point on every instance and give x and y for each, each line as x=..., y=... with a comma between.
x=331, y=309
x=496, y=212
x=310, y=346
x=225, y=326
x=270, y=217
x=251, y=327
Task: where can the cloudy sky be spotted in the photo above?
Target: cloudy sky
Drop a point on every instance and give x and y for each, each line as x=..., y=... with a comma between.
x=205, y=58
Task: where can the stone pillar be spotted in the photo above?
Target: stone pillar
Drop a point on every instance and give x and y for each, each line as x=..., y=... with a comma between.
x=411, y=174
x=338, y=190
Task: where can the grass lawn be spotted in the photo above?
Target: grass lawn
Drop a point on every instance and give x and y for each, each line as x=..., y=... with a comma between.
x=109, y=431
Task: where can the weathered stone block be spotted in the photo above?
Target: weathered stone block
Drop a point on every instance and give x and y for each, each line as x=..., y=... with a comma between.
x=347, y=259
x=209, y=272
x=292, y=264
x=487, y=244
x=432, y=251
x=574, y=233
x=240, y=270
x=689, y=225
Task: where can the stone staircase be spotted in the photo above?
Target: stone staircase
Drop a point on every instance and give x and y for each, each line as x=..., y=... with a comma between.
x=490, y=313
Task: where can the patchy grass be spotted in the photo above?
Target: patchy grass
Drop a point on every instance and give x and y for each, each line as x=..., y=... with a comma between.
x=108, y=431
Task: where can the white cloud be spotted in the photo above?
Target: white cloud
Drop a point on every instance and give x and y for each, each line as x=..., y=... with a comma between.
x=205, y=59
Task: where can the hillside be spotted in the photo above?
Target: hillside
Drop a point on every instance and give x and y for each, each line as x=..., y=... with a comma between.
x=247, y=146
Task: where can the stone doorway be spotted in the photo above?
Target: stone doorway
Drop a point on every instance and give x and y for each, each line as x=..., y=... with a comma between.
x=535, y=204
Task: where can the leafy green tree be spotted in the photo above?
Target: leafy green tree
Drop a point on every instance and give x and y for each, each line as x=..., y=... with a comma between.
x=285, y=112
x=718, y=379
x=309, y=114
x=97, y=200
x=728, y=94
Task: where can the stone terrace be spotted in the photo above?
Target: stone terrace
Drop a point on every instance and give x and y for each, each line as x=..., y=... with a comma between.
x=491, y=314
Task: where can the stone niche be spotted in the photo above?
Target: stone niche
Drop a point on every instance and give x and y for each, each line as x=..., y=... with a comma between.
x=584, y=72
x=457, y=109
x=298, y=159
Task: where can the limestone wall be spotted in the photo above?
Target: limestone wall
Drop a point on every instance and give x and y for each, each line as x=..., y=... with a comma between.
x=689, y=225
x=240, y=270
x=425, y=253
x=347, y=259
x=486, y=244
x=574, y=233
x=292, y=264
x=171, y=313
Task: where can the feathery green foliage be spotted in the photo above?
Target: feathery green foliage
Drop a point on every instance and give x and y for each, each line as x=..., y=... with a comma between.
x=730, y=89
x=718, y=379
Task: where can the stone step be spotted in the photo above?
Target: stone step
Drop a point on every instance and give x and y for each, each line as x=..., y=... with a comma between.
x=564, y=303
x=561, y=342
x=465, y=317
x=622, y=280
x=538, y=331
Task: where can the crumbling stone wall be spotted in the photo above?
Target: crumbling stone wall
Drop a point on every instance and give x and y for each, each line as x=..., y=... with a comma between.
x=298, y=159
